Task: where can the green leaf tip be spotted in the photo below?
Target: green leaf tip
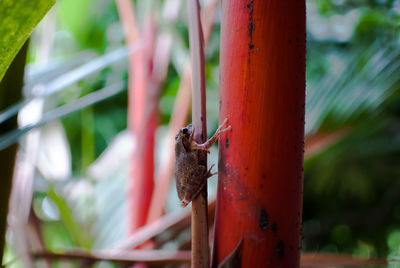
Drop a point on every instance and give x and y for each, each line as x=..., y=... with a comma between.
x=18, y=19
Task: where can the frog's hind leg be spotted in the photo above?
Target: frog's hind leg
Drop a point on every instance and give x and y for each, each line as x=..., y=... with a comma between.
x=195, y=184
x=209, y=173
x=199, y=187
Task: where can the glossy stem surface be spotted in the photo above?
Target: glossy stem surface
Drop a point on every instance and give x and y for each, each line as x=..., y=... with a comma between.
x=262, y=93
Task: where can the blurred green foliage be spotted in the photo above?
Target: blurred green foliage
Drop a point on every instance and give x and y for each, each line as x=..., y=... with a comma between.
x=88, y=21
x=351, y=189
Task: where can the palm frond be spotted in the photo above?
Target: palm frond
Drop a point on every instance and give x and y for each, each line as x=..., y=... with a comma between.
x=90, y=99
x=49, y=85
x=358, y=82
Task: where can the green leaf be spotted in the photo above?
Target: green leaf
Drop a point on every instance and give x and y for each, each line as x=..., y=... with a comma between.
x=18, y=19
x=75, y=230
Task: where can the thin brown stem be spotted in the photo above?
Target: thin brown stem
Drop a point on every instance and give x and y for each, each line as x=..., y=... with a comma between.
x=200, y=246
x=313, y=259
x=158, y=258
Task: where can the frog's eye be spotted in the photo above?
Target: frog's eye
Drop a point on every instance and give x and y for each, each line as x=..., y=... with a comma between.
x=184, y=130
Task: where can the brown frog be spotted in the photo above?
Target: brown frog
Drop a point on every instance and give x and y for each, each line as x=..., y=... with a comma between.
x=189, y=174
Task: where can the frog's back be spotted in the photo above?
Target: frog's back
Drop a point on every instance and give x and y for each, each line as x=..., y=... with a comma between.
x=185, y=168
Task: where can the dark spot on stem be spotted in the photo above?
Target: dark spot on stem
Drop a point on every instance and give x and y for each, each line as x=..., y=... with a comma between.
x=263, y=221
x=250, y=6
x=227, y=143
x=243, y=197
x=221, y=162
x=263, y=176
x=274, y=227
x=280, y=249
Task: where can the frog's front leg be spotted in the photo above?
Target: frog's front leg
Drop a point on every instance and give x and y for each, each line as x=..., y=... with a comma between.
x=210, y=142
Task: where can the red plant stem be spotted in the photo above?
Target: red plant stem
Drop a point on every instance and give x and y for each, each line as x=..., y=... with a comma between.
x=142, y=115
x=200, y=246
x=262, y=92
x=145, y=121
x=178, y=119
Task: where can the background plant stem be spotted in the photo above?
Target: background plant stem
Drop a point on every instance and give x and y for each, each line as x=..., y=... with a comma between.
x=10, y=93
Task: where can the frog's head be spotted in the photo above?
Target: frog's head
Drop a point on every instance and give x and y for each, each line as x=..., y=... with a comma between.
x=184, y=133
x=183, y=140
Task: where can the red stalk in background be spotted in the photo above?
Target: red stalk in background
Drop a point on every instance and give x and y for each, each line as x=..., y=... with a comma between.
x=142, y=114
x=262, y=92
x=145, y=121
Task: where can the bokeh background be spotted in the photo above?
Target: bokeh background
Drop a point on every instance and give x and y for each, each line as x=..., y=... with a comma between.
x=75, y=163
